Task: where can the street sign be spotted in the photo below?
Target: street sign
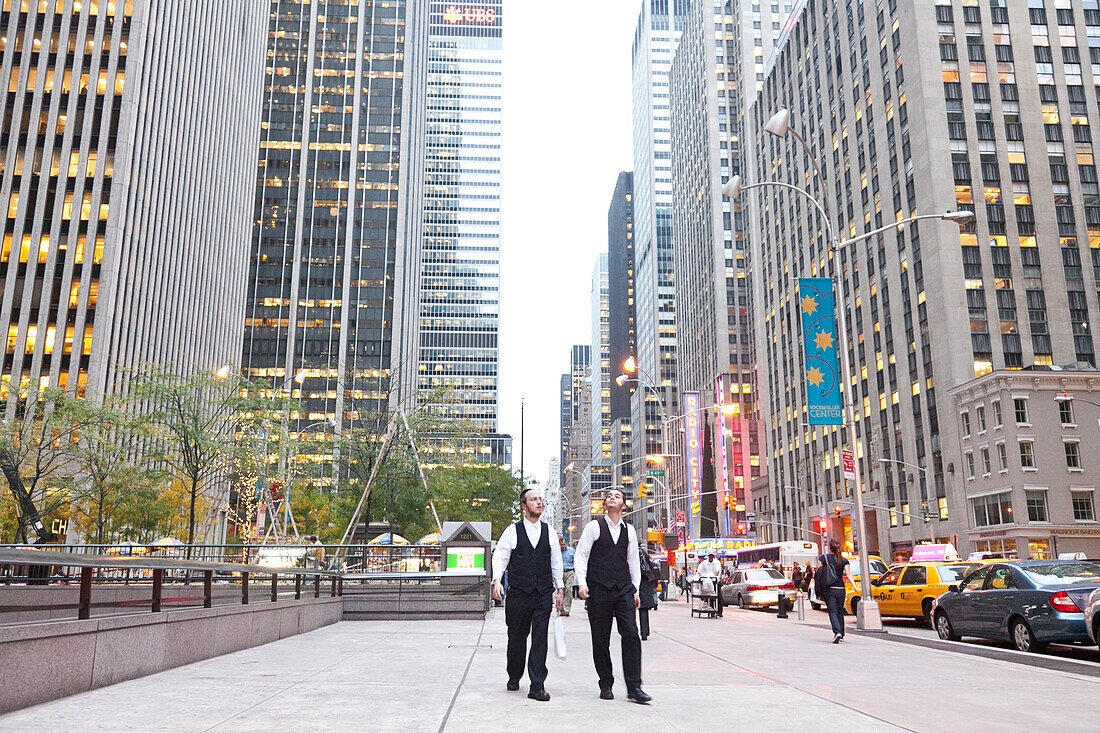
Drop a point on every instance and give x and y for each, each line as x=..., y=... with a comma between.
x=654, y=473
x=848, y=461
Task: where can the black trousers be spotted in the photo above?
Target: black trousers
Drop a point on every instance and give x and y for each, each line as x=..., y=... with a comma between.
x=643, y=621
x=603, y=606
x=527, y=613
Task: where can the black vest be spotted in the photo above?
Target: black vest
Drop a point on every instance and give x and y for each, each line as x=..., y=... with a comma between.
x=529, y=567
x=607, y=564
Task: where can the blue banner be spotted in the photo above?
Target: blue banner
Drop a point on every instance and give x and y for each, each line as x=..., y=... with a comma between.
x=817, y=304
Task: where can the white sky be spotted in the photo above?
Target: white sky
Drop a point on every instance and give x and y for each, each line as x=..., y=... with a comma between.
x=567, y=135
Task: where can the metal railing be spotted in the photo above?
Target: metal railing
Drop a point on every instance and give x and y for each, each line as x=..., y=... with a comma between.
x=357, y=558
x=25, y=567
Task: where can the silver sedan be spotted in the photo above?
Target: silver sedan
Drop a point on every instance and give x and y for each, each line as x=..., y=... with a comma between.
x=757, y=587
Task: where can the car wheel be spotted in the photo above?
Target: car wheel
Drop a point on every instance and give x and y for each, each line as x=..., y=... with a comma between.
x=1022, y=637
x=740, y=601
x=926, y=608
x=944, y=628
x=855, y=605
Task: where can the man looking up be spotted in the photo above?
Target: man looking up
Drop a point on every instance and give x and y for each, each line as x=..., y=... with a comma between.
x=609, y=575
x=529, y=551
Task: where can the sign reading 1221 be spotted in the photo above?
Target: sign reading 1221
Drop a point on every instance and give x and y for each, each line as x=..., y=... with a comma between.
x=455, y=15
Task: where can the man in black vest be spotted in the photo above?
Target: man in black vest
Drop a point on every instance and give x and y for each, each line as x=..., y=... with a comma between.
x=529, y=551
x=609, y=575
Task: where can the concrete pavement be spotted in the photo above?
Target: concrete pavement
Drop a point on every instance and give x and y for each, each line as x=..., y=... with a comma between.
x=748, y=671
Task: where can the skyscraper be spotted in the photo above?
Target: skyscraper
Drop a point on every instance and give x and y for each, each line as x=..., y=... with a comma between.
x=460, y=266
x=621, y=286
x=657, y=34
x=332, y=301
x=920, y=108
x=711, y=83
x=599, y=365
x=573, y=381
x=129, y=135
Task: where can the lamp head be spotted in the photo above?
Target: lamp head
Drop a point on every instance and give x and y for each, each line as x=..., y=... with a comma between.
x=780, y=123
x=621, y=379
x=732, y=189
x=630, y=366
x=224, y=372
x=959, y=217
x=300, y=376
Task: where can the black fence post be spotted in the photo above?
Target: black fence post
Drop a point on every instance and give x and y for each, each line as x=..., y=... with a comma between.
x=340, y=586
x=85, y=608
x=207, y=588
x=334, y=586
x=274, y=587
x=316, y=586
x=244, y=588
x=158, y=587
x=298, y=587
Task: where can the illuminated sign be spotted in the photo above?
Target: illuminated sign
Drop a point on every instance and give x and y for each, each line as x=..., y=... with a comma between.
x=722, y=459
x=465, y=559
x=455, y=14
x=694, y=451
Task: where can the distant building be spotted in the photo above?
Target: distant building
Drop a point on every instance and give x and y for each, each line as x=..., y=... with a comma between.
x=599, y=364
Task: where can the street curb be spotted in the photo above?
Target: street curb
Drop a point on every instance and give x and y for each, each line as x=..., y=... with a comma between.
x=1055, y=664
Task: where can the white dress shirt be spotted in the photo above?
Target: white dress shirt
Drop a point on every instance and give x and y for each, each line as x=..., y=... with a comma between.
x=709, y=569
x=591, y=533
x=507, y=542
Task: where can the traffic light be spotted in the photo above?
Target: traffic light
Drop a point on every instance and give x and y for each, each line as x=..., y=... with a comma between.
x=740, y=528
x=820, y=525
x=641, y=491
x=836, y=511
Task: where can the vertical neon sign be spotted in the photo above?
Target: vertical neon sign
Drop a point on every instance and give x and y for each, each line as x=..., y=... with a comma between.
x=693, y=451
x=723, y=464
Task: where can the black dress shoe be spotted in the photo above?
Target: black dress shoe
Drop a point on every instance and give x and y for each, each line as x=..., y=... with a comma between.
x=638, y=696
x=540, y=695
x=513, y=685
x=607, y=694
x=645, y=636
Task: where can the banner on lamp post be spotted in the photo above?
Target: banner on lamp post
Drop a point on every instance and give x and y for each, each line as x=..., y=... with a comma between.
x=693, y=451
x=817, y=305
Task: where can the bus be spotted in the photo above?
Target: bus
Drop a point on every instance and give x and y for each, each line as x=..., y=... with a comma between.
x=783, y=555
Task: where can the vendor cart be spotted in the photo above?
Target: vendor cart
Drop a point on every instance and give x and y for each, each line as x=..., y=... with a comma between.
x=704, y=597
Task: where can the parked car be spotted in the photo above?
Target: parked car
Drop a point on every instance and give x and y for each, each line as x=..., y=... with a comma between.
x=909, y=589
x=1092, y=617
x=757, y=587
x=1030, y=603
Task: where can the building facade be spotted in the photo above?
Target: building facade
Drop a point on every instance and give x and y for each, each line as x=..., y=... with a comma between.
x=1025, y=466
x=599, y=364
x=656, y=36
x=713, y=71
x=460, y=261
x=918, y=108
x=333, y=290
x=129, y=134
x=621, y=290
x=571, y=404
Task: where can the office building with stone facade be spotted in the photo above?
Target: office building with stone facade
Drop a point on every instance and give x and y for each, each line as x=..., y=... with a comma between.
x=128, y=141
x=921, y=108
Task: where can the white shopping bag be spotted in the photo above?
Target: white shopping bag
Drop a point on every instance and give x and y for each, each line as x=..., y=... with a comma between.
x=559, y=636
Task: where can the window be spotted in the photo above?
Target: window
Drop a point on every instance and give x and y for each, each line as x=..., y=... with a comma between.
x=997, y=422
x=976, y=579
x=1082, y=506
x=1027, y=454
x=1002, y=457
x=1065, y=412
x=1036, y=506
x=1020, y=405
x=891, y=578
x=969, y=465
x=1073, y=455
x=1000, y=578
x=981, y=419
x=986, y=468
x=941, y=502
x=965, y=417
x=992, y=509
x=915, y=575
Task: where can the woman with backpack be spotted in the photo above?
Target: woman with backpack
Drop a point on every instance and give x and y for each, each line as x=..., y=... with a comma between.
x=829, y=585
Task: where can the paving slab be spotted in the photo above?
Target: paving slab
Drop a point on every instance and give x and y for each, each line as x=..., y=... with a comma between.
x=748, y=672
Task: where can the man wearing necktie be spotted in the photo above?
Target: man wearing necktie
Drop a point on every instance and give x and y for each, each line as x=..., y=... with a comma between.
x=609, y=574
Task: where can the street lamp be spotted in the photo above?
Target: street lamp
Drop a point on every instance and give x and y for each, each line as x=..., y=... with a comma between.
x=867, y=616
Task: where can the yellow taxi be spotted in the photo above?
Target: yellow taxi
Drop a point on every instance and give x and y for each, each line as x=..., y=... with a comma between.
x=908, y=589
x=852, y=575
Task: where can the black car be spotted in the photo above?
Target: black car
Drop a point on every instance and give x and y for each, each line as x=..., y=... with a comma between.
x=1030, y=603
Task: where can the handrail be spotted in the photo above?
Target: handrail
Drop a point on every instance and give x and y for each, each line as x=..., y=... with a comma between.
x=69, y=559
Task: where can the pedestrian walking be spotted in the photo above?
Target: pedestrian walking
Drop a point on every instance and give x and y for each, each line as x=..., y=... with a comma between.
x=528, y=550
x=796, y=576
x=807, y=578
x=609, y=574
x=829, y=585
x=647, y=591
x=711, y=568
x=569, y=577
x=317, y=552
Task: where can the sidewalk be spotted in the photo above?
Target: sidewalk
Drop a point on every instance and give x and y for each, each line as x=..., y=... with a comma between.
x=748, y=671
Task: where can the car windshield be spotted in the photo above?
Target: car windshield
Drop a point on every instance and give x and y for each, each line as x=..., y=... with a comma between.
x=953, y=573
x=764, y=574
x=1077, y=572
x=878, y=567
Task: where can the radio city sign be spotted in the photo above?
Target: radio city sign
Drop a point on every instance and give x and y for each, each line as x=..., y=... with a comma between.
x=456, y=14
